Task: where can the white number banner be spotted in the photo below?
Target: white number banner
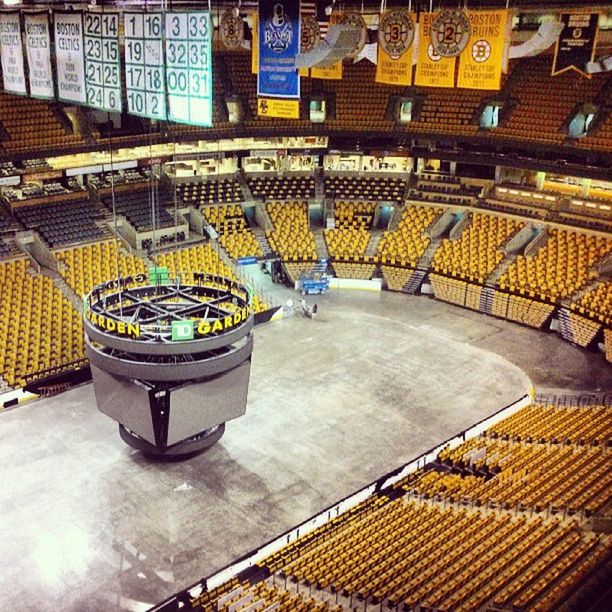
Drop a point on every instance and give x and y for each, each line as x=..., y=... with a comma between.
x=69, y=57
x=144, y=65
x=102, y=61
x=189, y=67
x=38, y=51
x=11, y=53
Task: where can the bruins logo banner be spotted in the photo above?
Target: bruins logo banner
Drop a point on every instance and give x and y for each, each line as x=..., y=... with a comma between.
x=480, y=65
x=450, y=32
x=576, y=43
x=356, y=20
x=255, y=45
x=310, y=36
x=231, y=29
x=432, y=70
x=395, y=38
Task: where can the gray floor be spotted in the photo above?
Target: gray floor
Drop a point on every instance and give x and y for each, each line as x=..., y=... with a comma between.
x=334, y=403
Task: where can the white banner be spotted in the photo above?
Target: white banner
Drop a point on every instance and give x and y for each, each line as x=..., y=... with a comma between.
x=189, y=67
x=102, y=63
x=38, y=50
x=144, y=65
x=11, y=53
x=69, y=57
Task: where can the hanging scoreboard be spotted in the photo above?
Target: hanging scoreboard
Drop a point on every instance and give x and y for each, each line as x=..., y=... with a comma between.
x=102, y=63
x=11, y=53
x=189, y=67
x=38, y=51
x=69, y=58
x=144, y=65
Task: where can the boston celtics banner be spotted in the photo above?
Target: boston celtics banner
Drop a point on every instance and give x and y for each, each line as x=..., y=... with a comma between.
x=433, y=70
x=279, y=43
x=576, y=43
x=11, y=53
x=395, y=38
x=480, y=64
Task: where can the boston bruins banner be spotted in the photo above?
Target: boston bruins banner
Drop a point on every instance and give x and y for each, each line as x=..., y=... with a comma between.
x=310, y=37
x=231, y=29
x=432, y=70
x=333, y=72
x=450, y=32
x=480, y=64
x=576, y=43
x=395, y=38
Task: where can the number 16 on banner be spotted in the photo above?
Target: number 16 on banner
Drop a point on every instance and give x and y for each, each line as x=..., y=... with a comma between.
x=189, y=67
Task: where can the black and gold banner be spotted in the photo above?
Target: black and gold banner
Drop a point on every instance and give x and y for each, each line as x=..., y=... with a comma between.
x=576, y=43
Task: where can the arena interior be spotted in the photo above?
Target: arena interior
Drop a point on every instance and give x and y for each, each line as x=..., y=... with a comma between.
x=434, y=434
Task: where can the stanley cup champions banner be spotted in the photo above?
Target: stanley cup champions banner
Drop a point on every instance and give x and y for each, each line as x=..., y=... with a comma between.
x=480, y=64
x=432, y=69
x=395, y=38
x=576, y=43
x=279, y=43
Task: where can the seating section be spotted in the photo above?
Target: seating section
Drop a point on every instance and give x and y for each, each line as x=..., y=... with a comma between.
x=32, y=125
x=576, y=328
x=235, y=235
x=477, y=252
x=282, y=187
x=498, y=522
x=347, y=244
x=291, y=237
x=559, y=268
x=396, y=278
x=202, y=258
x=378, y=189
x=118, y=179
x=548, y=105
x=544, y=423
x=135, y=206
x=63, y=223
x=34, y=315
x=359, y=271
x=405, y=245
x=211, y=191
x=596, y=303
x=86, y=266
x=294, y=270
x=354, y=214
x=608, y=344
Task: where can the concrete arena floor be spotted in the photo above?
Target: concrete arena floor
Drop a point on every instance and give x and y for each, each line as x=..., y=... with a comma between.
x=375, y=380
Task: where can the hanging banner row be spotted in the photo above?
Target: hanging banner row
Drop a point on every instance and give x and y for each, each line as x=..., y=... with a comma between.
x=168, y=61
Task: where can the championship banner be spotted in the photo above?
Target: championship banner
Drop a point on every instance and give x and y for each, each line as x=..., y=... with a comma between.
x=576, y=43
x=69, y=57
x=357, y=21
x=11, y=54
x=144, y=65
x=279, y=43
x=102, y=63
x=189, y=67
x=334, y=71
x=38, y=51
x=432, y=70
x=310, y=37
x=395, y=38
x=480, y=64
x=231, y=29
x=275, y=107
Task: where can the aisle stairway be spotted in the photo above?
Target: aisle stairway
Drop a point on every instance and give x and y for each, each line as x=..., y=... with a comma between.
x=322, y=252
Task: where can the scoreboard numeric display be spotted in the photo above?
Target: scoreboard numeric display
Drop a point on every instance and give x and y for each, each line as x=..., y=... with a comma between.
x=102, y=61
x=144, y=65
x=189, y=67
